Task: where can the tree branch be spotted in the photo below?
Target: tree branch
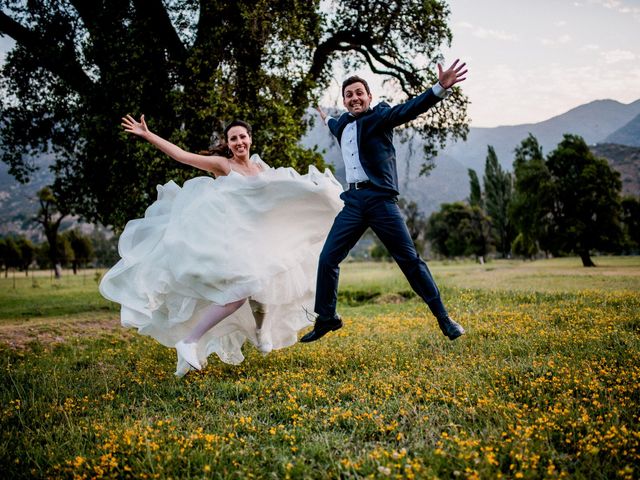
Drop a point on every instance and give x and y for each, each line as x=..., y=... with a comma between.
x=392, y=73
x=362, y=43
x=163, y=28
x=59, y=61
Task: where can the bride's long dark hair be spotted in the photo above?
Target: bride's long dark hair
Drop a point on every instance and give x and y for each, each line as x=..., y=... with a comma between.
x=220, y=147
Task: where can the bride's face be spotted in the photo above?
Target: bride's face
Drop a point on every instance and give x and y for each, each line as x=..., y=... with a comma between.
x=239, y=141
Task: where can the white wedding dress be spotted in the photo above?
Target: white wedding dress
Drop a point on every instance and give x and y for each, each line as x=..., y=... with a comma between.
x=218, y=241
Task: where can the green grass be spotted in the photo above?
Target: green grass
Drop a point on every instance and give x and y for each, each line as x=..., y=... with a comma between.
x=545, y=385
x=40, y=295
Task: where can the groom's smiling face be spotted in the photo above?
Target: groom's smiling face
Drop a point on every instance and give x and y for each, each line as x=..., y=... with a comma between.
x=356, y=99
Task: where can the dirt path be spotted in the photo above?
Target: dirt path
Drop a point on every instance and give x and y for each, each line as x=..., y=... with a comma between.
x=55, y=330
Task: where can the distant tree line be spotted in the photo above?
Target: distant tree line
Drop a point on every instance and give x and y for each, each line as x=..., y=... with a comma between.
x=73, y=249
x=568, y=202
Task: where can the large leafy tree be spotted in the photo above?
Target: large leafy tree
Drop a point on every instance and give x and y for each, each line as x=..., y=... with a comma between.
x=568, y=202
x=189, y=65
x=586, y=209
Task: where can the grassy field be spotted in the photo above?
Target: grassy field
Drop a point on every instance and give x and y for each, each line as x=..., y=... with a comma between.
x=546, y=384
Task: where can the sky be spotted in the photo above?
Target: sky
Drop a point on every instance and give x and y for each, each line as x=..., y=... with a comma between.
x=530, y=60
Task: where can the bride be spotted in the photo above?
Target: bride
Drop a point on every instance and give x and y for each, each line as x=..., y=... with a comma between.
x=218, y=262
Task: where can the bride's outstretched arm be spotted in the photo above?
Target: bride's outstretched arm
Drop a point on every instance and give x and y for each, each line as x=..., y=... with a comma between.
x=211, y=163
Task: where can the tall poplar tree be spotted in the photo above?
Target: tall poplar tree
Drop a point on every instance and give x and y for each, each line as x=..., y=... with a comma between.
x=498, y=189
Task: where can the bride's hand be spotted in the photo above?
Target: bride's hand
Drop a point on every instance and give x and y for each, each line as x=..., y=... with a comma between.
x=137, y=128
x=322, y=114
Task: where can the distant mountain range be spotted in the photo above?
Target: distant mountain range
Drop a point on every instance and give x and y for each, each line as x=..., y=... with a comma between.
x=627, y=135
x=626, y=160
x=599, y=122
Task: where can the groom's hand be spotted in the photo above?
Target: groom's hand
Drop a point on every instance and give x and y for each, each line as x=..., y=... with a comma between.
x=454, y=74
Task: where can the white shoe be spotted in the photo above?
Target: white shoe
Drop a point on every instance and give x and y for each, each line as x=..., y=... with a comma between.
x=189, y=353
x=182, y=368
x=264, y=340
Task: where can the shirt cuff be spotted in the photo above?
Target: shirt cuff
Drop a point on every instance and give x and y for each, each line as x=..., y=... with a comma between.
x=327, y=118
x=439, y=91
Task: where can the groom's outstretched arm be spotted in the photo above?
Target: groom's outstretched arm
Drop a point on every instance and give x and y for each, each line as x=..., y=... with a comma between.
x=403, y=113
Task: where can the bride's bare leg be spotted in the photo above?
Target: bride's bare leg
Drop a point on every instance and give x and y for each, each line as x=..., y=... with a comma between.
x=259, y=311
x=212, y=316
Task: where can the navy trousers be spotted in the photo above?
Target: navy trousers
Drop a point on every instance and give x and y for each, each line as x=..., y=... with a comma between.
x=378, y=209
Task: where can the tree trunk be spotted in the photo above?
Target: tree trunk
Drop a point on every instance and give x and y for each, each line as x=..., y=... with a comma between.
x=586, y=259
x=58, y=270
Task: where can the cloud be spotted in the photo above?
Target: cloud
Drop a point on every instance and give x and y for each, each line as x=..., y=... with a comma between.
x=619, y=6
x=615, y=56
x=562, y=39
x=485, y=33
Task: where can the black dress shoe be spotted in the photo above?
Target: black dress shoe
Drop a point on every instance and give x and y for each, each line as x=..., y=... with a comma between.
x=323, y=326
x=450, y=328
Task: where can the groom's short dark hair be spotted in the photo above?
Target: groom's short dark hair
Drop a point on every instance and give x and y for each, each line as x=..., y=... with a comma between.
x=355, y=79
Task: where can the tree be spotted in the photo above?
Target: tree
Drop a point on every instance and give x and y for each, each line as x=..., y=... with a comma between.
x=631, y=222
x=532, y=198
x=3, y=256
x=568, y=202
x=416, y=222
x=27, y=253
x=78, y=67
x=63, y=253
x=105, y=246
x=459, y=229
x=524, y=246
x=81, y=247
x=378, y=251
x=11, y=255
x=475, y=197
x=586, y=210
x=498, y=189
x=49, y=217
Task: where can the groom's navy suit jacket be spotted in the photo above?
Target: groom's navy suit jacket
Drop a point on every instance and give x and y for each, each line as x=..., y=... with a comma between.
x=375, y=136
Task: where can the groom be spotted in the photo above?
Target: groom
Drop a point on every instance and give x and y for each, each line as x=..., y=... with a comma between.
x=366, y=140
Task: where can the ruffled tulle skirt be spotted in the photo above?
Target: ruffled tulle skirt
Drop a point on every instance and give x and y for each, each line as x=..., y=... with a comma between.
x=219, y=241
